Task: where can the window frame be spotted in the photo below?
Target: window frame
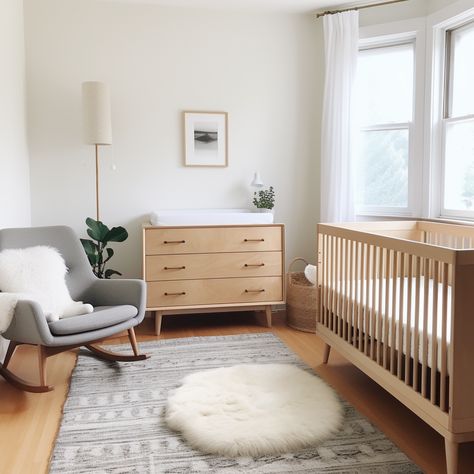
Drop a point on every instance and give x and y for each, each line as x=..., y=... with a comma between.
x=437, y=24
x=373, y=41
x=447, y=118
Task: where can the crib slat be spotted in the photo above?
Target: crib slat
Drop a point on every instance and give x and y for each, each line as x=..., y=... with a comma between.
x=345, y=301
x=373, y=310
x=408, y=327
x=340, y=292
x=355, y=321
x=388, y=262
x=367, y=309
x=400, y=316
x=328, y=289
x=416, y=341
x=434, y=333
x=333, y=283
x=362, y=271
x=337, y=314
x=357, y=290
x=329, y=272
x=393, y=312
x=351, y=293
x=424, y=359
x=444, y=316
x=326, y=277
x=379, y=312
x=325, y=283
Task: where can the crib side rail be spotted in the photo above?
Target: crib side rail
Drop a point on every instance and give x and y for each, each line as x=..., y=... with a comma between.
x=391, y=300
x=448, y=235
x=422, y=249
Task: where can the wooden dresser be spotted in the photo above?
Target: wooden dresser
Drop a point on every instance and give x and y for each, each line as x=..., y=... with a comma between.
x=202, y=269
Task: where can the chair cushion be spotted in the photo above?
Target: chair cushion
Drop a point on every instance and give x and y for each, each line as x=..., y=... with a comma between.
x=102, y=317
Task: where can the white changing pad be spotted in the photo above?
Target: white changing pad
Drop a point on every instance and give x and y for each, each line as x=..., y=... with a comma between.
x=209, y=217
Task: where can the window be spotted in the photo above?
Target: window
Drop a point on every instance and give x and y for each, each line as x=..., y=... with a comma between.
x=458, y=124
x=385, y=104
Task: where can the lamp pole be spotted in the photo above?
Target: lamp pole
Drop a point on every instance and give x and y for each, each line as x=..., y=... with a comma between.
x=97, y=180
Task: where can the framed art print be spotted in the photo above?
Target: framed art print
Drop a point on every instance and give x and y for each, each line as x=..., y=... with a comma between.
x=205, y=138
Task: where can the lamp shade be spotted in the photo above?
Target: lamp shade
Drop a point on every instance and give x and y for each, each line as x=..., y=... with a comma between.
x=96, y=113
x=257, y=180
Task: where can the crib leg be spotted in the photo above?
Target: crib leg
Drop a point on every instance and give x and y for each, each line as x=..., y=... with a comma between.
x=327, y=350
x=452, y=454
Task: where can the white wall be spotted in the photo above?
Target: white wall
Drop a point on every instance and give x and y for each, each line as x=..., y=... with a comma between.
x=434, y=5
x=158, y=61
x=394, y=12
x=14, y=172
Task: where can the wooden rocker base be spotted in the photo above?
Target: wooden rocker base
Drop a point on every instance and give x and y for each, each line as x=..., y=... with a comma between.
x=115, y=356
x=22, y=384
x=45, y=352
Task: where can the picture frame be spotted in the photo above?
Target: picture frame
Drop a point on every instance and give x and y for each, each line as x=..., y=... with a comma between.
x=205, y=139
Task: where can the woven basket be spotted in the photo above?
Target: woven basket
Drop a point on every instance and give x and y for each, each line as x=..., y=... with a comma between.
x=302, y=300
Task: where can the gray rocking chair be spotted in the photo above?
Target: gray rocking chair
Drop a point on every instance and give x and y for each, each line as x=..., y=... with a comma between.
x=119, y=305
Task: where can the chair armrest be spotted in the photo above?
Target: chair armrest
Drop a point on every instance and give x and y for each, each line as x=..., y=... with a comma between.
x=29, y=324
x=117, y=292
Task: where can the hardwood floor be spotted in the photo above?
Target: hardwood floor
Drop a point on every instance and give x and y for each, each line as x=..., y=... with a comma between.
x=29, y=422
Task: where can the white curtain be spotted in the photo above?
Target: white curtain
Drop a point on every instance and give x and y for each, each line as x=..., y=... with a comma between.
x=341, y=39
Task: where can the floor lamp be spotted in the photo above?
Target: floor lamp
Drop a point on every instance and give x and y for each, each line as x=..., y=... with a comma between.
x=97, y=122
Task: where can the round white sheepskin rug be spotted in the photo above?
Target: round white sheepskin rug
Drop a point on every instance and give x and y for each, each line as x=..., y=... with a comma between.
x=253, y=410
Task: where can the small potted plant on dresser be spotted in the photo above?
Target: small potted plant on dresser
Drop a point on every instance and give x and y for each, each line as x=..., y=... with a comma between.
x=264, y=200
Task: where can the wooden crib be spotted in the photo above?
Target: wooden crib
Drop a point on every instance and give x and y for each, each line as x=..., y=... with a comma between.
x=397, y=300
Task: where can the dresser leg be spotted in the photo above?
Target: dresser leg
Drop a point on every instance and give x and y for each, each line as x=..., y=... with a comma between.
x=158, y=318
x=327, y=350
x=268, y=313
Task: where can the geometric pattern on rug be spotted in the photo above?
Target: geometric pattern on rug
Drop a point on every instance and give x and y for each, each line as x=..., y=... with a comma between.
x=113, y=417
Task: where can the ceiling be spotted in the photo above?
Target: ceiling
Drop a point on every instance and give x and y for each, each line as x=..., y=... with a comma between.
x=296, y=6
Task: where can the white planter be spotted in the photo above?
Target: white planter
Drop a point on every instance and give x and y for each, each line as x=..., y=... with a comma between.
x=261, y=209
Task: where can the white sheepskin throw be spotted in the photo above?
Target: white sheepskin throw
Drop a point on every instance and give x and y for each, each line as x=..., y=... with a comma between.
x=38, y=273
x=7, y=308
x=253, y=410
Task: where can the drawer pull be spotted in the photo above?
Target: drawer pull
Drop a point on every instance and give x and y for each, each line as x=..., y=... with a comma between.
x=174, y=241
x=181, y=293
x=175, y=268
x=254, y=265
x=254, y=240
x=255, y=291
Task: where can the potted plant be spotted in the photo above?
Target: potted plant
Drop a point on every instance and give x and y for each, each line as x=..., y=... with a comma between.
x=97, y=252
x=264, y=200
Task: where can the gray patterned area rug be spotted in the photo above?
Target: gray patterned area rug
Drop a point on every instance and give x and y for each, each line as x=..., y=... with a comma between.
x=113, y=420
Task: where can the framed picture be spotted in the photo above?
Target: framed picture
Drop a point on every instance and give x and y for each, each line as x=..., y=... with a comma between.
x=205, y=138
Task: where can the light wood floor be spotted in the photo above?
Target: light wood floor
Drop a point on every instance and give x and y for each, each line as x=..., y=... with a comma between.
x=29, y=422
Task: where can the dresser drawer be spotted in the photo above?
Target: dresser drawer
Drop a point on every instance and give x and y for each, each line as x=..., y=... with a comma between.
x=183, y=240
x=222, y=265
x=212, y=292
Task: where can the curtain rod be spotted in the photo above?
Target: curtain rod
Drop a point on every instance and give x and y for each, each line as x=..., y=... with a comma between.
x=361, y=7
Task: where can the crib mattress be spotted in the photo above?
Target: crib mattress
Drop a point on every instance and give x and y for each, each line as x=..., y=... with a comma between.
x=404, y=314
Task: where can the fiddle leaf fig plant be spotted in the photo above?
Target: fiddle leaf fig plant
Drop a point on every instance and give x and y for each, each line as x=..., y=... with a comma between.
x=96, y=249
